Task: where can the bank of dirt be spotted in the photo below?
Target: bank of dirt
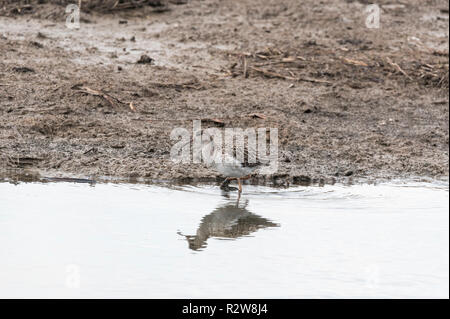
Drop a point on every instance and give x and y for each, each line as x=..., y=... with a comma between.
x=348, y=101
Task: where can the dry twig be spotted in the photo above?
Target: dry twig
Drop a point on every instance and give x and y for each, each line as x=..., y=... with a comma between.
x=111, y=99
x=354, y=62
x=397, y=67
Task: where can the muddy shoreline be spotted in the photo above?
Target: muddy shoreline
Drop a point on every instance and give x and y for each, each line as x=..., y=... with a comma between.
x=350, y=103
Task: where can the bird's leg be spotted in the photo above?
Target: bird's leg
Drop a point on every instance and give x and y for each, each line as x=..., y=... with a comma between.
x=240, y=185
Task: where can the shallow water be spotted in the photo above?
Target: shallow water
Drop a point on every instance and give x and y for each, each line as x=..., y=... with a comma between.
x=125, y=240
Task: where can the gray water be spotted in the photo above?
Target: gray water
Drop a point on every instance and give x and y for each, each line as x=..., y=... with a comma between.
x=139, y=241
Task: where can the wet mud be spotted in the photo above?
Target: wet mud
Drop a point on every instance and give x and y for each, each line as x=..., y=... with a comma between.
x=348, y=101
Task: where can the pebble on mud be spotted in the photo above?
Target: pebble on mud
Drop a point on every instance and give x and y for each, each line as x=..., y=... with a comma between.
x=23, y=69
x=301, y=179
x=145, y=59
x=36, y=44
x=348, y=173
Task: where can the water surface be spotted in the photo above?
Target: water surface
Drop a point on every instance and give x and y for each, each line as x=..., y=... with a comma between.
x=141, y=241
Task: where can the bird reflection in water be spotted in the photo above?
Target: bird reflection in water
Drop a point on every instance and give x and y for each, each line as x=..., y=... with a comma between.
x=230, y=220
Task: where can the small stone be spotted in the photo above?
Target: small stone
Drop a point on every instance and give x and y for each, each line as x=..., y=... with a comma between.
x=301, y=179
x=36, y=44
x=23, y=69
x=145, y=59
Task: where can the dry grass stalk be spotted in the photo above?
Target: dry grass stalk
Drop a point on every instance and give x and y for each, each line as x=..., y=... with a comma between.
x=111, y=99
x=397, y=67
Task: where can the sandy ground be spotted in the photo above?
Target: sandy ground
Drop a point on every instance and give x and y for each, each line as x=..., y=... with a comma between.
x=348, y=101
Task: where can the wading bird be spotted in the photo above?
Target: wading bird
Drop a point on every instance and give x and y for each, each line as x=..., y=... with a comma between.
x=234, y=163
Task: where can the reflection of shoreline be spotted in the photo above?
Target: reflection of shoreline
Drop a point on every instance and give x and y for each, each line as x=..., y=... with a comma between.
x=227, y=221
